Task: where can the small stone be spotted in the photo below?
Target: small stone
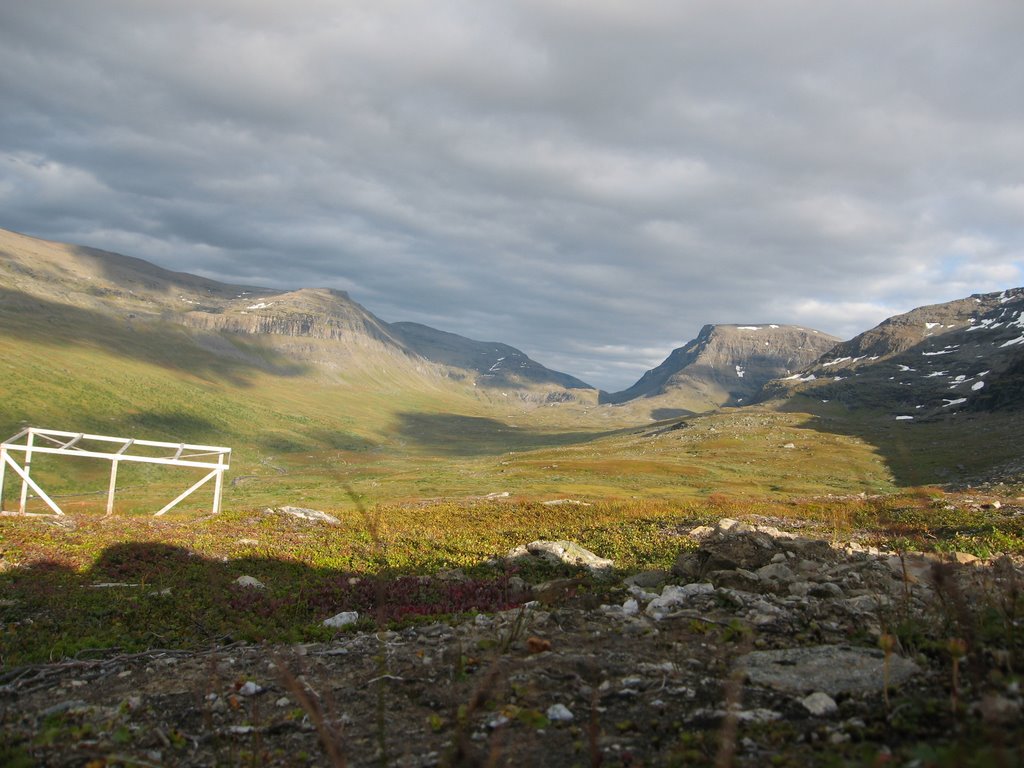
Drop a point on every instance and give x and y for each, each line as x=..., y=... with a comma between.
x=964, y=558
x=498, y=721
x=342, y=619
x=282, y=702
x=820, y=704
x=826, y=590
x=701, y=532
x=250, y=581
x=673, y=597
x=631, y=607
x=559, y=713
x=250, y=689
x=776, y=572
x=999, y=710
x=800, y=588
x=647, y=579
x=789, y=446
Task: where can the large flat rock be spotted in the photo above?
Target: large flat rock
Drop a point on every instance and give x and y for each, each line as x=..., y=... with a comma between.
x=833, y=669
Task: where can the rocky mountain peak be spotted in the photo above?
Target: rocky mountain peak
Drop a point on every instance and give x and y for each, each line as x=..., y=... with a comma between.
x=728, y=365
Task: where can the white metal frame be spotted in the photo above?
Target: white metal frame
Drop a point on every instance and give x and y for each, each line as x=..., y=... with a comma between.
x=33, y=440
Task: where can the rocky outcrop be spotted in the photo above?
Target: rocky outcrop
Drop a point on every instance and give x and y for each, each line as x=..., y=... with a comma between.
x=728, y=365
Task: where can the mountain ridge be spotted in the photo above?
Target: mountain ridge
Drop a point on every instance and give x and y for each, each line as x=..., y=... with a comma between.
x=726, y=364
x=966, y=354
x=137, y=291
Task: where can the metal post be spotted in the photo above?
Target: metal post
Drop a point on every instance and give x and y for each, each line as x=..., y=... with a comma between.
x=218, y=484
x=113, y=482
x=28, y=467
x=3, y=468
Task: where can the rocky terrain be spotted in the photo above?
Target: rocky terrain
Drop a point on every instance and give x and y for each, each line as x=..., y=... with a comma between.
x=726, y=365
x=965, y=355
x=762, y=646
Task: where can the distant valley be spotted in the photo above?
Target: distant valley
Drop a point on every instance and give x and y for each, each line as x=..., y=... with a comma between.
x=317, y=394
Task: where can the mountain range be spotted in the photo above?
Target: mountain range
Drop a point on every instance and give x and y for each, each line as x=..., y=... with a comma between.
x=966, y=354
x=315, y=325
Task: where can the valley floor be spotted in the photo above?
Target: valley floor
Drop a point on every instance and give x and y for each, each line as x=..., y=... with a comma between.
x=900, y=658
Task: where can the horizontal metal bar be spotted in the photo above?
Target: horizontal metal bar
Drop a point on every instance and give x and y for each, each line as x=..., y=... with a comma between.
x=109, y=439
x=35, y=449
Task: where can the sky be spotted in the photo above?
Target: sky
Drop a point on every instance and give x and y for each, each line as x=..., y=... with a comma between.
x=590, y=181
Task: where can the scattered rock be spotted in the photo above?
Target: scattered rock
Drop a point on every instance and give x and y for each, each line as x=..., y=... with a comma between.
x=999, y=710
x=564, y=552
x=313, y=515
x=559, y=713
x=820, y=704
x=832, y=669
x=674, y=597
x=251, y=582
x=342, y=619
x=249, y=688
x=647, y=579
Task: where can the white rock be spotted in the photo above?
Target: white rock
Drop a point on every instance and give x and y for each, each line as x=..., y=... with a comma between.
x=820, y=704
x=673, y=597
x=313, y=515
x=631, y=607
x=498, y=721
x=342, y=619
x=701, y=532
x=249, y=689
x=250, y=581
x=641, y=594
x=559, y=713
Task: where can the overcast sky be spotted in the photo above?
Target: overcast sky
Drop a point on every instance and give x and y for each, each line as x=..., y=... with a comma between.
x=588, y=180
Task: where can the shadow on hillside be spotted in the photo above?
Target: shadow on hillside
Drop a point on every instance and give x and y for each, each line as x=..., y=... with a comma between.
x=663, y=414
x=452, y=434
x=140, y=595
x=939, y=444
x=945, y=449
x=147, y=340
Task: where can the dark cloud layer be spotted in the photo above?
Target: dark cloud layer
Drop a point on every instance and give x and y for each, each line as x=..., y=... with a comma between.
x=591, y=181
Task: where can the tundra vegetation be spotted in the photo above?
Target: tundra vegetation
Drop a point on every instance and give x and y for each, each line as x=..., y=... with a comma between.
x=430, y=483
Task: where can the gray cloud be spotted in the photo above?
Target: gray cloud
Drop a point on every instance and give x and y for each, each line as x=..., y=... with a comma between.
x=591, y=181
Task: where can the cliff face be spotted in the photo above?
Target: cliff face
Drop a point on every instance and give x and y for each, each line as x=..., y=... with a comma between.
x=727, y=365
x=318, y=313
x=966, y=354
